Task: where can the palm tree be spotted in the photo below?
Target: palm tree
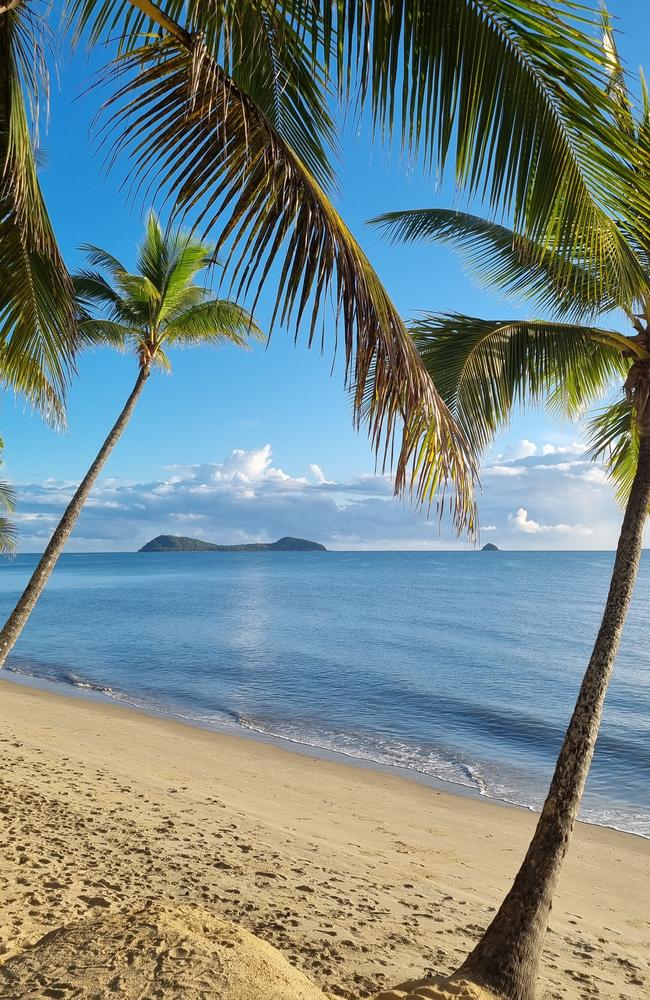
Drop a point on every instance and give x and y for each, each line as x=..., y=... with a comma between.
x=225, y=107
x=159, y=307
x=482, y=369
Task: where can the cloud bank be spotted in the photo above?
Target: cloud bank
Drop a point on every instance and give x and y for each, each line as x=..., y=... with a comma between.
x=535, y=495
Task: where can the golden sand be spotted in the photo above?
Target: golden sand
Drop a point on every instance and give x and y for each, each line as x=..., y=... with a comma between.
x=360, y=878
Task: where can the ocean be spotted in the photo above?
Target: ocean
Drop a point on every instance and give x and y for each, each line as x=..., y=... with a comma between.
x=460, y=667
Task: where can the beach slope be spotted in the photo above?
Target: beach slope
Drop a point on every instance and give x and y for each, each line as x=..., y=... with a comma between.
x=362, y=879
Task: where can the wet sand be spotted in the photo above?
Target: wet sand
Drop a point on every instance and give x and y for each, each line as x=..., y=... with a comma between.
x=360, y=878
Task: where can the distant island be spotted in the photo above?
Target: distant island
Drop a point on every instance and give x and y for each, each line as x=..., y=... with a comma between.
x=178, y=543
x=490, y=547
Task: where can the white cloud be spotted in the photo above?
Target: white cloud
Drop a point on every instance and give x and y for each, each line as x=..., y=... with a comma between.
x=250, y=497
x=521, y=522
x=525, y=449
x=594, y=474
x=505, y=471
x=319, y=475
x=522, y=449
x=576, y=448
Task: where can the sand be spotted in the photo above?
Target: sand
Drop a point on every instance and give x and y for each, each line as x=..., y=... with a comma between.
x=361, y=879
x=176, y=952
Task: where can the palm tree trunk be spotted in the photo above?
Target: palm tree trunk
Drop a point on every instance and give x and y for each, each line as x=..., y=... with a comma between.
x=506, y=960
x=18, y=618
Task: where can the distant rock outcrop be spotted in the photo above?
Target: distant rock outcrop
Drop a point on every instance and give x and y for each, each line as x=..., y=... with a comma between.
x=178, y=543
x=490, y=548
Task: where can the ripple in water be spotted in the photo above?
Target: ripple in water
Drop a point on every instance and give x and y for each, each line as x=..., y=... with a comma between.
x=453, y=666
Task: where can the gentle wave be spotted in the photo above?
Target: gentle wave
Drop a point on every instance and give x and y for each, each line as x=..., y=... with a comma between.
x=64, y=677
x=426, y=762
x=453, y=667
x=449, y=770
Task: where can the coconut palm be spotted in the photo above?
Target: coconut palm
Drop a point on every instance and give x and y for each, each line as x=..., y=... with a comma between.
x=158, y=308
x=225, y=108
x=484, y=368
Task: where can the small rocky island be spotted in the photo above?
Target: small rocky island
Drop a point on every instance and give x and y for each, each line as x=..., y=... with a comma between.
x=490, y=547
x=178, y=543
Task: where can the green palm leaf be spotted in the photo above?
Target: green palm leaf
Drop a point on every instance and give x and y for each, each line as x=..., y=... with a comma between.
x=105, y=333
x=267, y=49
x=37, y=331
x=515, y=265
x=194, y=132
x=92, y=287
x=483, y=369
x=613, y=439
x=7, y=527
x=515, y=92
x=212, y=322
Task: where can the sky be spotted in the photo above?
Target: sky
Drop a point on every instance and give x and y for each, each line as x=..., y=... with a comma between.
x=246, y=446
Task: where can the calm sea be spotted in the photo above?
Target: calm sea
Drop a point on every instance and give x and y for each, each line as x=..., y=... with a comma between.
x=461, y=666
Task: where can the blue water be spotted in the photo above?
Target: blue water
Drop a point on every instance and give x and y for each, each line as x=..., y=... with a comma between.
x=462, y=666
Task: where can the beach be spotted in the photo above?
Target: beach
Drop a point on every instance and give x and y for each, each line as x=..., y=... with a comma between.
x=361, y=878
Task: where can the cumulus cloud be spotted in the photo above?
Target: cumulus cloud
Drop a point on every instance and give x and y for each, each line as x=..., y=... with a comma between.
x=522, y=522
x=525, y=524
x=249, y=496
x=319, y=475
x=576, y=448
x=524, y=449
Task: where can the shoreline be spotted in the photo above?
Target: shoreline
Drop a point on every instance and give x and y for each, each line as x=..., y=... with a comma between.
x=238, y=730
x=361, y=878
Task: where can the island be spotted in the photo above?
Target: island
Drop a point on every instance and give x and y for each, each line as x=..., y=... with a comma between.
x=178, y=543
x=490, y=547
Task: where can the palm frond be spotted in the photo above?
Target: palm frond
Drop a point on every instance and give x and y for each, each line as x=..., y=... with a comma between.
x=483, y=369
x=105, y=333
x=515, y=92
x=161, y=360
x=38, y=392
x=183, y=299
x=616, y=83
x=154, y=253
x=267, y=49
x=613, y=439
x=102, y=259
x=140, y=293
x=212, y=322
x=190, y=129
x=515, y=265
x=37, y=331
x=7, y=527
x=93, y=290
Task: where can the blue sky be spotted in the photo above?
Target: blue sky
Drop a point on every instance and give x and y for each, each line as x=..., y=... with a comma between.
x=224, y=424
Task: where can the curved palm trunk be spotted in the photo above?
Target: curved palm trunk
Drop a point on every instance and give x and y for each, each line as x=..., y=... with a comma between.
x=506, y=960
x=18, y=618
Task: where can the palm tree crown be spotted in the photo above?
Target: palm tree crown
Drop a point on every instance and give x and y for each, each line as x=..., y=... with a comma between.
x=161, y=306
x=483, y=368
